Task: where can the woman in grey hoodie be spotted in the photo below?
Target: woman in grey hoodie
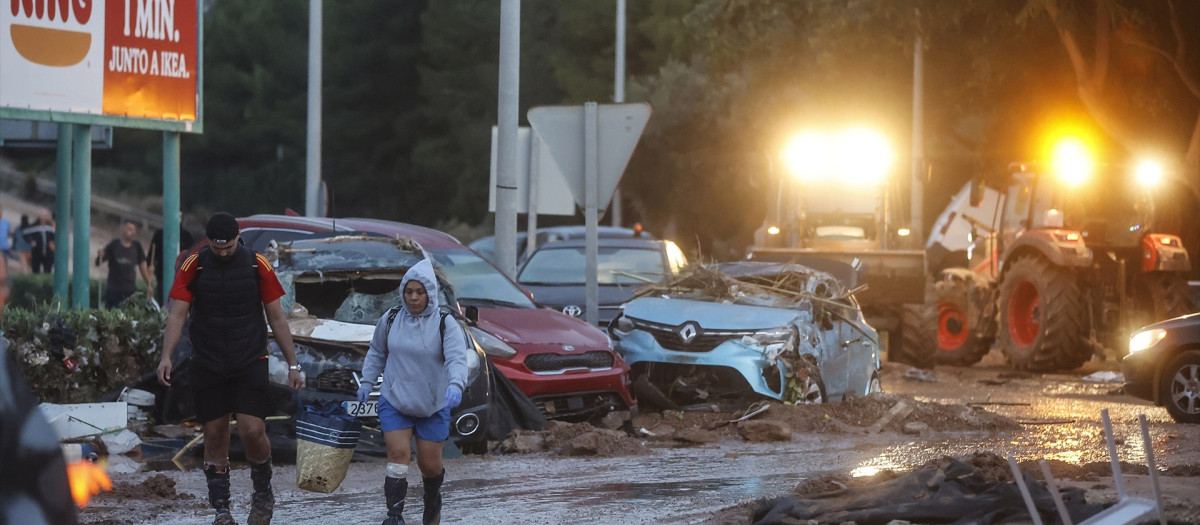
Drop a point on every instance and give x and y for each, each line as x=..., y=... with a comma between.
x=423, y=359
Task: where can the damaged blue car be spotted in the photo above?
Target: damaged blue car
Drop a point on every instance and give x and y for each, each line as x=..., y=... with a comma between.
x=727, y=331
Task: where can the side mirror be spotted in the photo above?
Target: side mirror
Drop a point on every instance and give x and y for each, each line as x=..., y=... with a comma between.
x=472, y=314
x=976, y=193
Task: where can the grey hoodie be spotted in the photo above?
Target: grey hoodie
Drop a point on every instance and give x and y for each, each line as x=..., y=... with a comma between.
x=417, y=361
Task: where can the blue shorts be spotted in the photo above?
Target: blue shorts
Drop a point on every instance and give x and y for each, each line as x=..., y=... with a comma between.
x=435, y=427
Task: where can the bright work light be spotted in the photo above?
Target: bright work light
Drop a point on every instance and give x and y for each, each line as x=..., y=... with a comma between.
x=1072, y=161
x=856, y=156
x=1149, y=173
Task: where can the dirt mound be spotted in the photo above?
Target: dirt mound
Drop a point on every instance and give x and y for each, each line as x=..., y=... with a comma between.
x=157, y=486
x=859, y=415
x=572, y=439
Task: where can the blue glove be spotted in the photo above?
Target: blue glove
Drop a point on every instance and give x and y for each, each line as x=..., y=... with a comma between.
x=364, y=393
x=453, y=396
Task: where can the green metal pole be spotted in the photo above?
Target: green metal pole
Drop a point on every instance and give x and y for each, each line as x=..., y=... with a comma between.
x=81, y=194
x=170, y=210
x=62, y=216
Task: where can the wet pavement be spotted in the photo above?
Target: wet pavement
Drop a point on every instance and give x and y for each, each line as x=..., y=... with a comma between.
x=689, y=484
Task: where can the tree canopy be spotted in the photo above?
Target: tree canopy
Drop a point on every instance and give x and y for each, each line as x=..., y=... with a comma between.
x=409, y=96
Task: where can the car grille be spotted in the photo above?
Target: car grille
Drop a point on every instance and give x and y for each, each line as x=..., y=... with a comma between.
x=337, y=380
x=558, y=362
x=705, y=340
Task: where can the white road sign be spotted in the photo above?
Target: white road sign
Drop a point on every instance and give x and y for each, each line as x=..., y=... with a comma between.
x=560, y=128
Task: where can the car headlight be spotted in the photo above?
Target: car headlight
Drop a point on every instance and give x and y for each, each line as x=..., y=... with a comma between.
x=774, y=341
x=1145, y=339
x=492, y=345
x=620, y=327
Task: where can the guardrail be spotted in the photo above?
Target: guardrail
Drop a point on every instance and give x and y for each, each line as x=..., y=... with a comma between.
x=104, y=205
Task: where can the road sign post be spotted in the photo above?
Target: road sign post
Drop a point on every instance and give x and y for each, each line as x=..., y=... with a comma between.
x=591, y=146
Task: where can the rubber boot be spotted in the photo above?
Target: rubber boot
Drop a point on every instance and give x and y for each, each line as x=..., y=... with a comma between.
x=218, y=494
x=433, y=499
x=394, y=491
x=262, y=502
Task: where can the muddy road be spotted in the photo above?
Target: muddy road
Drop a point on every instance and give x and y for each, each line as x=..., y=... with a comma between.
x=696, y=475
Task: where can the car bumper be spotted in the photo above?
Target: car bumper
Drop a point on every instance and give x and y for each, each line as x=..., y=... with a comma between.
x=1140, y=371
x=467, y=421
x=748, y=361
x=571, y=391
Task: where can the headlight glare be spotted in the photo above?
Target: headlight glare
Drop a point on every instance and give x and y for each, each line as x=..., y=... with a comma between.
x=1145, y=339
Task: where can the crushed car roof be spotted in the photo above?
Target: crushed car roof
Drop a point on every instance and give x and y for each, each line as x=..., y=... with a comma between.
x=348, y=253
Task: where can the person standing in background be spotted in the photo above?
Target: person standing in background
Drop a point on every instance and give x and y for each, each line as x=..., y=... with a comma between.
x=20, y=245
x=6, y=231
x=38, y=239
x=125, y=258
x=156, y=254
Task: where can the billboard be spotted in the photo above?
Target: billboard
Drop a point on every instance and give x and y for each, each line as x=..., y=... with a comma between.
x=130, y=63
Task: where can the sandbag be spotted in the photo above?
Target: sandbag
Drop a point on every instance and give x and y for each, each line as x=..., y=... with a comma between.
x=325, y=440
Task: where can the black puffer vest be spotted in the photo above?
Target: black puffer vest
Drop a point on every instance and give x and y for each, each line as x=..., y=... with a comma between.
x=228, y=331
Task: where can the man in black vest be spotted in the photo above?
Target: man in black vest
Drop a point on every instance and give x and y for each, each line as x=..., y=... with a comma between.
x=226, y=287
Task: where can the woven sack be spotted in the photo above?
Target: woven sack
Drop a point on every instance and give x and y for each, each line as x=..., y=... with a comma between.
x=325, y=440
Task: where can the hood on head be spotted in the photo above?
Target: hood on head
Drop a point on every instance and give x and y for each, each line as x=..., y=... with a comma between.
x=422, y=272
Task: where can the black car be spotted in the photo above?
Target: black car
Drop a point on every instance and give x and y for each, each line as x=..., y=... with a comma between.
x=1163, y=366
x=555, y=273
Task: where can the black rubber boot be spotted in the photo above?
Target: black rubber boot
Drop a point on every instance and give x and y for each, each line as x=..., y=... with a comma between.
x=218, y=493
x=394, y=491
x=262, y=504
x=433, y=499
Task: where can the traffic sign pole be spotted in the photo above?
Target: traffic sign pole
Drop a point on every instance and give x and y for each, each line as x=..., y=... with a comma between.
x=591, y=184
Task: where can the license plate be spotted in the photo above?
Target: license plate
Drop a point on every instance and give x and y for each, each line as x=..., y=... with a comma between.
x=357, y=409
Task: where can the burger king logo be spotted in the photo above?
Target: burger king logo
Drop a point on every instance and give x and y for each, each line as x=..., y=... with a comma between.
x=51, y=32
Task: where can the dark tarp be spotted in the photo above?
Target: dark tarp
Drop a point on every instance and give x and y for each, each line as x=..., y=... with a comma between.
x=956, y=493
x=510, y=409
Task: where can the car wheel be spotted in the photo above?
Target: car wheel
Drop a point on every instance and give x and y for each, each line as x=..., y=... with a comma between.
x=1180, y=388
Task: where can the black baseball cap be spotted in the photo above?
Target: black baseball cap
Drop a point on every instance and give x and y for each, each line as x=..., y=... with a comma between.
x=222, y=228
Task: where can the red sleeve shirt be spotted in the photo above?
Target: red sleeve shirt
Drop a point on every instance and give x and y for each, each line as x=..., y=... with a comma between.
x=269, y=288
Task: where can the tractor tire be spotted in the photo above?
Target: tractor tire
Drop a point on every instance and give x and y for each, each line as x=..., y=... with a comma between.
x=1164, y=295
x=957, y=336
x=1042, y=317
x=917, y=342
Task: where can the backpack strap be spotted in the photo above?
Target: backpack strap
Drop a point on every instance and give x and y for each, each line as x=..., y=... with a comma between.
x=391, y=318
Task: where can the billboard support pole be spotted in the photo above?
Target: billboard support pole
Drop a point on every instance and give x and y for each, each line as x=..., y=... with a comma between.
x=170, y=245
x=81, y=193
x=62, y=215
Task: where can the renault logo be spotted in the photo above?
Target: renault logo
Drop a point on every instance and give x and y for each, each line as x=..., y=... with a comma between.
x=688, y=332
x=572, y=310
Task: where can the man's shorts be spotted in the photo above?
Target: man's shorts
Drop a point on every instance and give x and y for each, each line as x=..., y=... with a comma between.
x=436, y=427
x=244, y=391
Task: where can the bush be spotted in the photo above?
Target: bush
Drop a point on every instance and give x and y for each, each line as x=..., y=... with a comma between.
x=32, y=290
x=107, y=348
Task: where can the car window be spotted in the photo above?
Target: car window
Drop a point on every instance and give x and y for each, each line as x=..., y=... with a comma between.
x=476, y=282
x=614, y=266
